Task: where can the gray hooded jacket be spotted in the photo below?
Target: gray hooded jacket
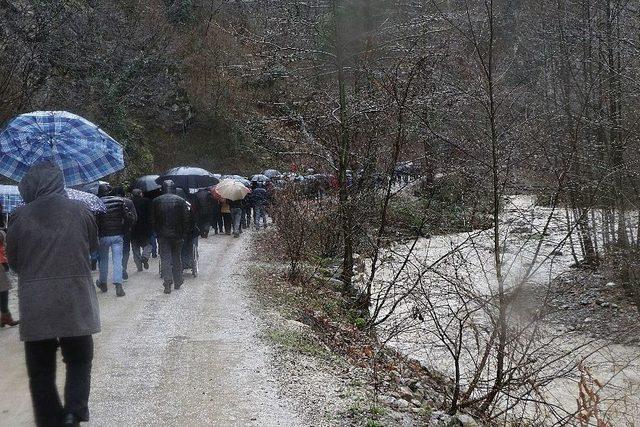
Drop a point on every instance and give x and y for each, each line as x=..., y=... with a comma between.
x=48, y=245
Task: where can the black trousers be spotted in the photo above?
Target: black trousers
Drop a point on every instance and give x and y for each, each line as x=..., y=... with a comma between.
x=77, y=354
x=218, y=224
x=226, y=218
x=4, y=302
x=171, y=260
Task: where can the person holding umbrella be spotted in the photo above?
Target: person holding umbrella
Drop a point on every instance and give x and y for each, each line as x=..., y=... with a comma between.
x=112, y=227
x=141, y=230
x=233, y=191
x=170, y=220
x=47, y=245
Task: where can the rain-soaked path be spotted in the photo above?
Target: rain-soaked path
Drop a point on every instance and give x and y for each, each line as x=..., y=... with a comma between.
x=189, y=358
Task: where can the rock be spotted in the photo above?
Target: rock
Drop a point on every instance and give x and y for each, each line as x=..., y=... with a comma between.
x=416, y=385
x=441, y=419
x=335, y=282
x=386, y=400
x=416, y=402
x=599, y=301
x=405, y=393
x=295, y=325
x=401, y=404
x=565, y=307
x=587, y=320
x=466, y=420
x=610, y=285
x=394, y=394
x=614, y=305
x=585, y=302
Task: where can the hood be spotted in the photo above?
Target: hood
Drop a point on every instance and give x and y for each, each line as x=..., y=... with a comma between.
x=168, y=187
x=42, y=179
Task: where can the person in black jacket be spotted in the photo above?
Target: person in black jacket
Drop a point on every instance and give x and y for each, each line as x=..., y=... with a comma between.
x=170, y=219
x=141, y=231
x=126, y=241
x=112, y=227
x=260, y=201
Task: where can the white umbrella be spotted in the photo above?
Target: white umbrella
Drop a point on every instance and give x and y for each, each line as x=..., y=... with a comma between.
x=231, y=189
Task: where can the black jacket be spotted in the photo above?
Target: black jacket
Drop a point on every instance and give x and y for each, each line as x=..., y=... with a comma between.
x=118, y=219
x=47, y=245
x=142, y=228
x=259, y=197
x=171, y=217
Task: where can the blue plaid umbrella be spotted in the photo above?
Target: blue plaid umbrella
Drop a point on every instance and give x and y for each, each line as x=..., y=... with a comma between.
x=11, y=199
x=84, y=152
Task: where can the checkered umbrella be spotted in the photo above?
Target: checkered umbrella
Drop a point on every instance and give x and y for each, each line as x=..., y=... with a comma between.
x=10, y=199
x=84, y=152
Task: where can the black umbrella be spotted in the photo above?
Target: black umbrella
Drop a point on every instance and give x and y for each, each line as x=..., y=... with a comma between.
x=272, y=173
x=189, y=177
x=146, y=183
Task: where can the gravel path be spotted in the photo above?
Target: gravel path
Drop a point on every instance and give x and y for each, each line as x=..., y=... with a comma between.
x=189, y=358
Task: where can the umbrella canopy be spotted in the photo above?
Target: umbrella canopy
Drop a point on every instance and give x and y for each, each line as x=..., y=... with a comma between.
x=259, y=178
x=84, y=152
x=147, y=183
x=91, y=201
x=11, y=199
x=189, y=177
x=231, y=189
x=272, y=173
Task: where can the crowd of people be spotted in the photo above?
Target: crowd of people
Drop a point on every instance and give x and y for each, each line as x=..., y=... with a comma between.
x=53, y=243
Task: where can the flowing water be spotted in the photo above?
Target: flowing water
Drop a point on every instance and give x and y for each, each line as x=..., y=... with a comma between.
x=537, y=246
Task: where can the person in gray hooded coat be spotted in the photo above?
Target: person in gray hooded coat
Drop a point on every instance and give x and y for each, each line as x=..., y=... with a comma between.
x=48, y=245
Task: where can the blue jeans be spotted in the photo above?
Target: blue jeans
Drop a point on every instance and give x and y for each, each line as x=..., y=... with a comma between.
x=260, y=213
x=115, y=244
x=236, y=215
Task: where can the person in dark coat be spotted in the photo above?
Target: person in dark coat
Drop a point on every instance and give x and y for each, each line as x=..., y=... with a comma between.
x=6, y=319
x=126, y=237
x=112, y=227
x=141, y=231
x=48, y=243
x=260, y=202
x=170, y=220
x=217, y=222
x=204, y=211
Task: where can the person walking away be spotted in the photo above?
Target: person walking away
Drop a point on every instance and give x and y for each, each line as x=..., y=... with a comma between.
x=236, y=216
x=141, y=232
x=190, y=237
x=218, y=224
x=5, y=285
x=112, y=227
x=204, y=202
x=126, y=240
x=170, y=220
x=225, y=209
x=246, y=212
x=48, y=240
x=260, y=202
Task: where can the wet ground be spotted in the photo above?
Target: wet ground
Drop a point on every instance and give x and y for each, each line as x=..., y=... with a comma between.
x=193, y=357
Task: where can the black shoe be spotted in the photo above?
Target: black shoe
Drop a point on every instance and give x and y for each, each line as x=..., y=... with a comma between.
x=145, y=263
x=139, y=269
x=70, y=420
x=167, y=288
x=154, y=255
x=177, y=286
x=125, y=275
x=94, y=264
x=119, y=290
x=101, y=286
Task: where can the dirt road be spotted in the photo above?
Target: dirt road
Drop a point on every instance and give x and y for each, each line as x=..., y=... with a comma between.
x=189, y=358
